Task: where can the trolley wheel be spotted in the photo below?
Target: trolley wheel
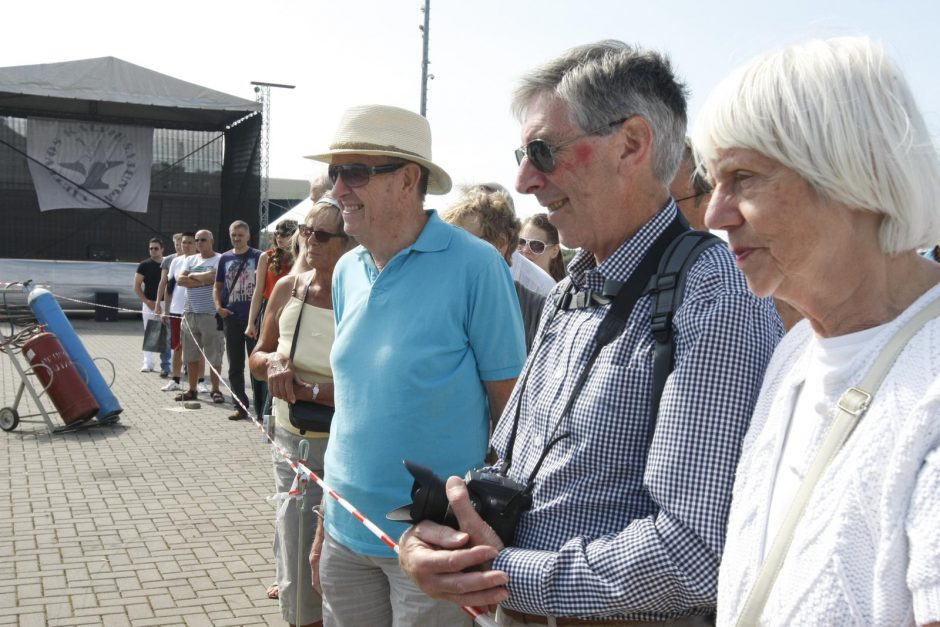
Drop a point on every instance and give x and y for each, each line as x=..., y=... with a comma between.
x=9, y=419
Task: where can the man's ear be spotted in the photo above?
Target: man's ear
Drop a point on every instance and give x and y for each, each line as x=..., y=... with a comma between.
x=412, y=175
x=635, y=142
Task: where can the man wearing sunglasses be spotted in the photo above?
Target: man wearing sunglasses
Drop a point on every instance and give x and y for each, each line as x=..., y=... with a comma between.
x=429, y=342
x=199, y=328
x=628, y=506
x=146, y=282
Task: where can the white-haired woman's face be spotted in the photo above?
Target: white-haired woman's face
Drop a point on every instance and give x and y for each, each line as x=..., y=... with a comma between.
x=788, y=240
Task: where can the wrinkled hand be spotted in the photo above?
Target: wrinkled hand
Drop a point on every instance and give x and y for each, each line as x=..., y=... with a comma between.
x=436, y=556
x=281, y=377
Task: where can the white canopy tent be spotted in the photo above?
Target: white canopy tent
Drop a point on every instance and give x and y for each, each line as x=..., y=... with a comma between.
x=298, y=212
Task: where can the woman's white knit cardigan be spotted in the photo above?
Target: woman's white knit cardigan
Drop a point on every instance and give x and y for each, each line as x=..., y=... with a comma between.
x=867, y=551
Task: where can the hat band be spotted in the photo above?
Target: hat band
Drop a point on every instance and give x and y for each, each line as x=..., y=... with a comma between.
x=366, y=146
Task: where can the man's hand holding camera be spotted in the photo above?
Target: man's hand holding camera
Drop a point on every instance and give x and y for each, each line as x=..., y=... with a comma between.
x=436, y=556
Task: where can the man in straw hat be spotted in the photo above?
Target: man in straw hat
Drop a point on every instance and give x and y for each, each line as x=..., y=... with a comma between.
x=629, y=498
x=429, y=342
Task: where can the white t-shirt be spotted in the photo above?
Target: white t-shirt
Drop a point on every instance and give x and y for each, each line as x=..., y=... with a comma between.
x=529, y=275
x=827, y=367
x=178, y=299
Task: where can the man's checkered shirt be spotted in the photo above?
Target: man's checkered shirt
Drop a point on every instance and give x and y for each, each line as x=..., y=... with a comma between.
x=614, y=532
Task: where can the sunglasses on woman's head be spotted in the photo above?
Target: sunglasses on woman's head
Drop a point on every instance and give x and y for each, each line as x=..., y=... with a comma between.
x=321, y=236
x=541, y=154
x=537, y=246
x=358, y=174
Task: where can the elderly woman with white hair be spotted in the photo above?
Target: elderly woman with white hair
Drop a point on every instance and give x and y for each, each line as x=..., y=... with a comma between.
x=826, y=182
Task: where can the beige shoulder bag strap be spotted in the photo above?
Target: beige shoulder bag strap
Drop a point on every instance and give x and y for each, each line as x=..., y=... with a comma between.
x=850, y=408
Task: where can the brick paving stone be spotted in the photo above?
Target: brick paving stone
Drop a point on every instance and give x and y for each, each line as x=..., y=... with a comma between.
x=32, y=620
x=159, y=519
x=116, y=621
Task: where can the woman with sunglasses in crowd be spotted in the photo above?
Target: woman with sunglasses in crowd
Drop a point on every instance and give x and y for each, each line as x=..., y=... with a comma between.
x=272, y=265
x=307, y=376
x=538, y=242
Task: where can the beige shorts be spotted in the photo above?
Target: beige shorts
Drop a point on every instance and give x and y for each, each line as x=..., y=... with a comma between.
x=207, y=336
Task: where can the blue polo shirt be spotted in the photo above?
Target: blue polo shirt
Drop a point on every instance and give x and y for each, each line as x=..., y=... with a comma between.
x=414, y=344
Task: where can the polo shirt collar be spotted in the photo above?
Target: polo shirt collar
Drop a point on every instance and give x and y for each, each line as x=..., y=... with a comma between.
x=434, y=237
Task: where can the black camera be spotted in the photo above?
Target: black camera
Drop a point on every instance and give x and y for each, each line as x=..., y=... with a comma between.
x=496, y=498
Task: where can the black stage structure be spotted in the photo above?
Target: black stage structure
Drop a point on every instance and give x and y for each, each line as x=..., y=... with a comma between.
x=206, y=159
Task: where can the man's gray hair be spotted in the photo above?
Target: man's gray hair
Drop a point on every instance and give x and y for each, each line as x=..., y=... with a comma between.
x=319, y=186
x=840, y=113
x=609, y=80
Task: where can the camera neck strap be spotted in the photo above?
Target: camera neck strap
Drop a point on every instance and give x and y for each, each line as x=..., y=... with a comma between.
x=622, y=297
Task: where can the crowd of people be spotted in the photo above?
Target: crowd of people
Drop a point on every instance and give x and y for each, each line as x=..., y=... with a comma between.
x=783, y=398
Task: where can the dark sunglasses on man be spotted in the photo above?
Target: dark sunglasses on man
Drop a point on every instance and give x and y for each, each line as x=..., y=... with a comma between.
x=358, y=174
x=321, y=236
x=541, y=154
x=537, y=246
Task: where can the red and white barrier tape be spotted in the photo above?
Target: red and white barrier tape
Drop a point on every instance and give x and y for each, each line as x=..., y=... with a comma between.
x=303, y=473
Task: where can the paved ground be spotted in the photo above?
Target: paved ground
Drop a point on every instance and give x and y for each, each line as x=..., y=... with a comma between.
x=160, y=519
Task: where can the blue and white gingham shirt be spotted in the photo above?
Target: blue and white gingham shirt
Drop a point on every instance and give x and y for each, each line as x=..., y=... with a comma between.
x=612, y=533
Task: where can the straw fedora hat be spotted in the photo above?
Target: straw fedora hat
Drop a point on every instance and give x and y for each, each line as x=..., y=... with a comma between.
x=389, y=131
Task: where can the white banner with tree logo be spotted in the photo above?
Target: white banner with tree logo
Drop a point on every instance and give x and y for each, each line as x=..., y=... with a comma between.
x=88, y=165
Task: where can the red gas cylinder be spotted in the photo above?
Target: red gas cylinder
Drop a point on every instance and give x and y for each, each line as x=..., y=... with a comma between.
x=58, y=374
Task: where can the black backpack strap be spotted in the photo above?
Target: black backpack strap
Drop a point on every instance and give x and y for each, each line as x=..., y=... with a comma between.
x=667, y=288
x=624, y=297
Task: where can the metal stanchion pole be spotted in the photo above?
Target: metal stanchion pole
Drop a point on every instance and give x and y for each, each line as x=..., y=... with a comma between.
x=303, y=450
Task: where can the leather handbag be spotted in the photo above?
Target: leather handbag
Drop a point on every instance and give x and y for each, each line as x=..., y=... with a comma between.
x=308, y=415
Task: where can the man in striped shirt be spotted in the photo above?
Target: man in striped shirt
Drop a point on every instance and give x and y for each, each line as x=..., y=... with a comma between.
x=200, y=329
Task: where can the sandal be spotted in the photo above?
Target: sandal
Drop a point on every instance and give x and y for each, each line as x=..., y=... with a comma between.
x=217, y=397
x=186, y=396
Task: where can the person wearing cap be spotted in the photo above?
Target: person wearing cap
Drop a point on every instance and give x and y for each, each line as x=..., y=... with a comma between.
x=629, y=504
x=429, y=341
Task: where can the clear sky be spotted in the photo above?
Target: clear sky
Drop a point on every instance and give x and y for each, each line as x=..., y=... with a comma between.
x=346, y=52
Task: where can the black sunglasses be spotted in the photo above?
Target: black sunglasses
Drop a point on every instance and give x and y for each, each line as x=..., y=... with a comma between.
x=202, y=239
x=321, y=236
x=542, y=154
x=358, y=174
x=537, y=246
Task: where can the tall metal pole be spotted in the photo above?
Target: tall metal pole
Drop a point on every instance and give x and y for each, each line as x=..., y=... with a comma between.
x=424, y=59
x=263, y=96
